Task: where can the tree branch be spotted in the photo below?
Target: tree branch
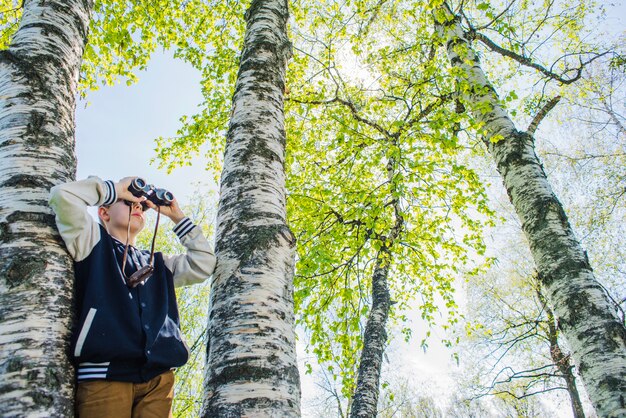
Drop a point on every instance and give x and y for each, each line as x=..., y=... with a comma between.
x=526, y=61
x=532, y=128
x=352, y=107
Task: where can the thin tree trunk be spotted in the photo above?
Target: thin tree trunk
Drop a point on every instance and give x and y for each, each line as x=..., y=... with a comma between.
x=251, y=365
x=38, y=86
x=365, y=401
x=560, y=359
x=584, y=312
x=564, y=366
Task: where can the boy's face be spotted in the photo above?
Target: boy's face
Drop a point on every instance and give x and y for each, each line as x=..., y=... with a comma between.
x=116, y=216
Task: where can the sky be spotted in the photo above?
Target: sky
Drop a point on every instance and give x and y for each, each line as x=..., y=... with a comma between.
x=116, y=126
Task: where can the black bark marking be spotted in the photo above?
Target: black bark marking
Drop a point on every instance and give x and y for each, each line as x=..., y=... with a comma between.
x=25, y=68
x=79, y=24
x=21, y=269
x=5, y=233
x=247, y=373
x=253, y=239
x=257, y=146
x=516, y=144
x=14, y=364
x=35, y=217
x=27, y=181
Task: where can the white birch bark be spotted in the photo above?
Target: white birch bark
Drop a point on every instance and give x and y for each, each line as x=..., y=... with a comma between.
x=584, y=312
x=251, y=368
x=38, y=86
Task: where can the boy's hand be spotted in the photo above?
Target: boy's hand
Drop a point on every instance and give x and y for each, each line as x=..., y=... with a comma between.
x=172, y=211
x=121, y=188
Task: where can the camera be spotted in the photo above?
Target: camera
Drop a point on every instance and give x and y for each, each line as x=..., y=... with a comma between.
x=160, y=197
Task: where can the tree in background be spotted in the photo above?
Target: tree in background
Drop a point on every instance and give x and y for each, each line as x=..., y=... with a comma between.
x=43, y=44
x=586, y=316
x=517, y=337
x=516, y=351
x=379, y=192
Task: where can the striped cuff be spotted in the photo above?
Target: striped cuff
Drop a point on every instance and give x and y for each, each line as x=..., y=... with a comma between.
x=111, y=194
x=183, y=227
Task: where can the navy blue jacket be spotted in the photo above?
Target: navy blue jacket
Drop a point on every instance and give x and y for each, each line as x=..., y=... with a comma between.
x=124, y=334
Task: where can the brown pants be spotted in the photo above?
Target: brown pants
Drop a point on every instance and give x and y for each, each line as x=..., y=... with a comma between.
x=104, y=399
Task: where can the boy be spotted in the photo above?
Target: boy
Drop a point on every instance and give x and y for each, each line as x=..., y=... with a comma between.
x=127, y=339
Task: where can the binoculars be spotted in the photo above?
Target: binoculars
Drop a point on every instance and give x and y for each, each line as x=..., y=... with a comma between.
x=160, y=197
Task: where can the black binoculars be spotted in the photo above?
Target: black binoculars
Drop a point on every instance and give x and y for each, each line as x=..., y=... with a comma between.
x=160, y=197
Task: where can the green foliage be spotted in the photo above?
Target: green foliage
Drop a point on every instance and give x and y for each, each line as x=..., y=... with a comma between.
x=206, y=34
x=369, y=145
x=213, y=47
x=193, y=308
x=10, y=14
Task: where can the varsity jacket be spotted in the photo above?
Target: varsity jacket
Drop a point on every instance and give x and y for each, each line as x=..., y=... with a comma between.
x=124, y=334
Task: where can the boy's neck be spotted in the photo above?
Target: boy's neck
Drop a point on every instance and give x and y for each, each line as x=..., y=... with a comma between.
x=120, y=235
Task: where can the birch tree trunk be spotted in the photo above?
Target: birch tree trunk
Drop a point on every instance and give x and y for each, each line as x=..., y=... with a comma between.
x=251, y=365
x=38, y=86
x=584, y=312
x=365, y=402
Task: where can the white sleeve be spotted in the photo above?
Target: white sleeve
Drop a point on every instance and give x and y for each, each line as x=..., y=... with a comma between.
x=69, y=202
x=198, y=263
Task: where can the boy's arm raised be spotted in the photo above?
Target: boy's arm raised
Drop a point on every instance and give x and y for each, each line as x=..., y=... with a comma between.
x=70, y=201
x=198, y=263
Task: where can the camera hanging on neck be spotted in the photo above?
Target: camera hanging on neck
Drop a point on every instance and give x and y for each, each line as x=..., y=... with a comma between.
x=144, y=273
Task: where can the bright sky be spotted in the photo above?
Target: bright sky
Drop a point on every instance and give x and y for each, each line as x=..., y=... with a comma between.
x=116, y=126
